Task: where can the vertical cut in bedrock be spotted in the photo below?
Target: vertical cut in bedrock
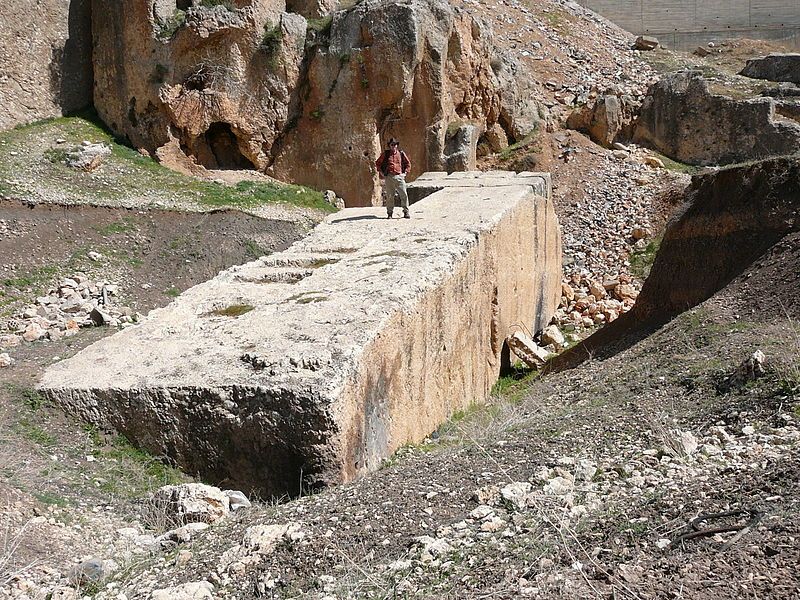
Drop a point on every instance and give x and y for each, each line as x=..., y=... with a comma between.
x=310, y=366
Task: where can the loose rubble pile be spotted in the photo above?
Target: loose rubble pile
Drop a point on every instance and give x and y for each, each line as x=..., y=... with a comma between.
x=189, y=509
x=551, y=506
x=75, y=303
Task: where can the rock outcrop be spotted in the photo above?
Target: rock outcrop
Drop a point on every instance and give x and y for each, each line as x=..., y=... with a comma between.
x=607, y=120
x=45, y=59
x=248, y=85
x=683, y=120
x=774, y=67
x=310, y=366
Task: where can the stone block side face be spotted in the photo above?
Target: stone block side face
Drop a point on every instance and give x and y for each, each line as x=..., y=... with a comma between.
x=242, y=436
x=446, y=354
x=45, y=59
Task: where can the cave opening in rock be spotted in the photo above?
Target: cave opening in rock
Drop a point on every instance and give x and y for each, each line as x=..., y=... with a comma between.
x=218, y=148
x=183, y=4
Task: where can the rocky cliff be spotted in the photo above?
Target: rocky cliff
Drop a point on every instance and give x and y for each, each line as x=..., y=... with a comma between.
x=250, y=85
x=45, y=59
x=731, y=219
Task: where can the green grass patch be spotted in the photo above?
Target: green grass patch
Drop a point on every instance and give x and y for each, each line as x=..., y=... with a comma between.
x=56, y=155
x=234, y=310
x=513, y=387
x=51, y=499
x=33, y=279
x=124, y=225
x=32, y=432
x=135, y=176
x=677, y=167
x=253, y=249
x=28, y=397
x=642, y=260
x=172, y=292
x=134, y=472
x=527, y=144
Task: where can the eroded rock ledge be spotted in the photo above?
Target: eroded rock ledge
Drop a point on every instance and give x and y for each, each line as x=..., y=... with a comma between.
x=310, y=366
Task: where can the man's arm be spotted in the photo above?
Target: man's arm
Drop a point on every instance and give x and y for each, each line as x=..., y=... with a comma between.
x=407, y=163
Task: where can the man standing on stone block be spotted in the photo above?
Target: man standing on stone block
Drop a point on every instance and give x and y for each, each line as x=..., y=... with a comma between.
x=394, y=165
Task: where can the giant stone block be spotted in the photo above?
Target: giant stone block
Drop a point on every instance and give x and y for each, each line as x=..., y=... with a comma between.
x=310, y=366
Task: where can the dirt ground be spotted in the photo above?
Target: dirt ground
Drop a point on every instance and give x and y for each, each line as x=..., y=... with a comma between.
x=153, y=254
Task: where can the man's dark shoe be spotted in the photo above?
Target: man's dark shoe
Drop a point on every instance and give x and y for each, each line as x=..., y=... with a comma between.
x=389, y=216
x=406, y=215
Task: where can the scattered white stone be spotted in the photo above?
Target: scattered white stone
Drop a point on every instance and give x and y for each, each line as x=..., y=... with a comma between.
x=6, y=360
x=237, y=500
x=516, y=494
x=190, y=503
x=482, y=512
x=188, y=591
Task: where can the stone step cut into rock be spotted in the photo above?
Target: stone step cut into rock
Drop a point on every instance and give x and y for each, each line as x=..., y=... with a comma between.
x=384, y=329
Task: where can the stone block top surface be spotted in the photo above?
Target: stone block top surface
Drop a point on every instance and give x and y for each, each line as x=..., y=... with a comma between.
x=299, y=317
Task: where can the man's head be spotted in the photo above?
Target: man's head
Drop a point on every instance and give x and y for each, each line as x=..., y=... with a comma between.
x=393, y=144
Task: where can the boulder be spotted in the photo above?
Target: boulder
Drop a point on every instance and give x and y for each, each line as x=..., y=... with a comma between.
x=606, y=120
x=190, y=503
x=645, y=43
x=87, y=158
x=527, y=350
x=461, y=144
x=553, y=335
x=202, y=590
x=774, y=67
x=681, y=119
x=5, y=360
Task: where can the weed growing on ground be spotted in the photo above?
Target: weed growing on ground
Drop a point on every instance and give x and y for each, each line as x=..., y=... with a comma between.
x=677, y=167
x=255, y=250
x=642, y=260
x=32, y=280
x=234, y=310
x=29, y=397
x=124, y=225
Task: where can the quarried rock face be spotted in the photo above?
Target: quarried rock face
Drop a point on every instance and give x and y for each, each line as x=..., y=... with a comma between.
x=45, y=59
x=683, y=120
x=314, y=364
x=774, y=67
x=312, y=102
